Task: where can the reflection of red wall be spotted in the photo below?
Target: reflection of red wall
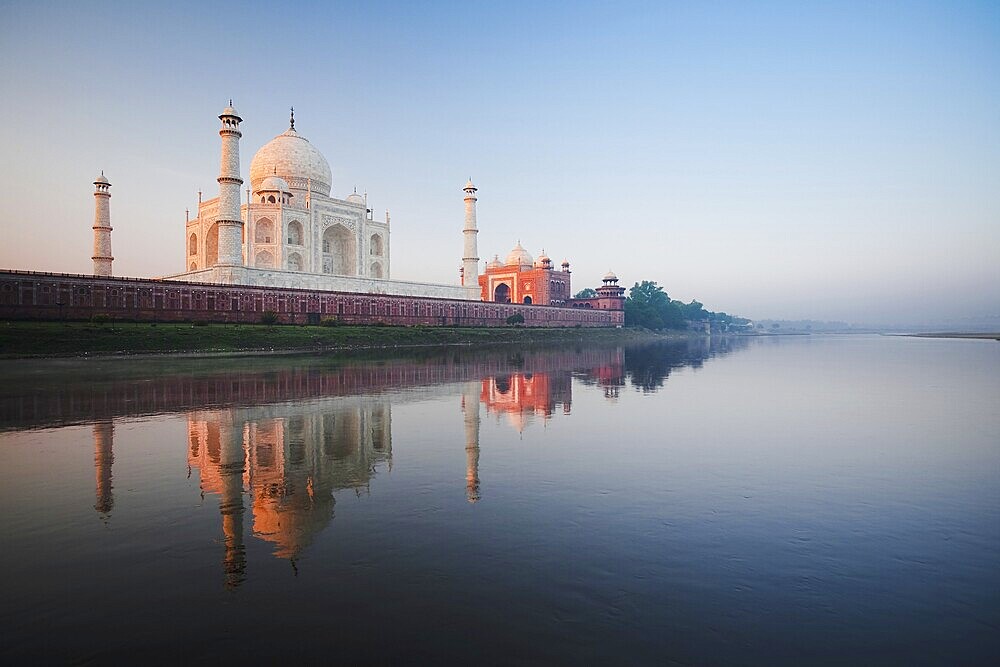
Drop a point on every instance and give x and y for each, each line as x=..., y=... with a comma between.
x=522, y=395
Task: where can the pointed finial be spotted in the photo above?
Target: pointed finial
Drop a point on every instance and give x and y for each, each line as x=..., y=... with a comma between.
x=291, y=120
x=230, y=101
x=102, y=172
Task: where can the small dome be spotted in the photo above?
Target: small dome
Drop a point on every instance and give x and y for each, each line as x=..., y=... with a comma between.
x=355, y=198
x=544, y=259
x=495, y=263
x=102, y=180
x=610, y=277
x=273, y=184
x=565, y=264
x=518, y=257
x=229, y=111
x=470, y=186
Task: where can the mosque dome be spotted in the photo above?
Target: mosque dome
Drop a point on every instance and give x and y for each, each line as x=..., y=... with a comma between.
x=229, y=111
x=518, y=257
x=102, y=179
x=610, y=277
x=295, y=160
x=495, y=263
x=355, y=198
x=544, y=260
x=273, y=183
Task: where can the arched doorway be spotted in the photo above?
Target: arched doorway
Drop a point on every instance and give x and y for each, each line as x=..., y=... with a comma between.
x=502, y=293
x=212, y=246
x=264, y=231
x=264, y=260
x=527, y=299
x=340, y=251
x=295, y=233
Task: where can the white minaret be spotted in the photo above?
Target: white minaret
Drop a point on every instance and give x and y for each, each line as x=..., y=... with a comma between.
x=470, y=262
x=470, y=406
x=102, y=226
x=229, y=219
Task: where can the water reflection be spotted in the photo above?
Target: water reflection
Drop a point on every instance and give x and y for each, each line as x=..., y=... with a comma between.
x=276, y=444
x=104, y=457
x=649, y=366
x=289, y=459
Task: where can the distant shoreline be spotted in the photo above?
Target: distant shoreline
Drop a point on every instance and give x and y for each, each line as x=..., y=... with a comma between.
x=948, y=334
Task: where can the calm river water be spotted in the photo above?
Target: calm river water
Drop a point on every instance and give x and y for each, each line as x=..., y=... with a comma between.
x=794, y=500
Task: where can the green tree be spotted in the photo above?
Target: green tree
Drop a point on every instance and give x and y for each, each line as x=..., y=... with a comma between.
x=694, y=311
x=586, y=293
x=649, y=306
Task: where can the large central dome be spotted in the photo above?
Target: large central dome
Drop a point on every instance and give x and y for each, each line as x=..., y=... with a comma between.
x=294, y=159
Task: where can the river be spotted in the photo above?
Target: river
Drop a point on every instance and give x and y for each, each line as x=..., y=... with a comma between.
x=781, y=500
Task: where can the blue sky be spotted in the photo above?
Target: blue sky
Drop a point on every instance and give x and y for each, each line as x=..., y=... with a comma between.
x=787, y=160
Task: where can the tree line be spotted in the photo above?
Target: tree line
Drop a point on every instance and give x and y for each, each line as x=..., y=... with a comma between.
x=649, y=306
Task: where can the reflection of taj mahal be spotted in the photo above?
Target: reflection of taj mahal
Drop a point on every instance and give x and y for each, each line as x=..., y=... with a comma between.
x=276, y=467
x=291, y=459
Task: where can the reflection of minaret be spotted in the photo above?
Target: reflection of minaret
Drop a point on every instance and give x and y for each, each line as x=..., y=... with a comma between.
x=231, y=468
x=470, y=405
x=104, y=456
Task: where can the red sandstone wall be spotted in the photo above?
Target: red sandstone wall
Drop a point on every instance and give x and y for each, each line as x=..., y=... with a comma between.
x=30, y=295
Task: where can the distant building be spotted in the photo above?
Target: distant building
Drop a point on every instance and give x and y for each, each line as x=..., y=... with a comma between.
x=609, y=296
x=519, y=279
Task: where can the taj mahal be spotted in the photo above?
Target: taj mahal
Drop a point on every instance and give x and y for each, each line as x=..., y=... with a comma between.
x=290, y=231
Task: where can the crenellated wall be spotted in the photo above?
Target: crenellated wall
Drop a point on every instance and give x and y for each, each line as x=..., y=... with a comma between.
x=31, y=295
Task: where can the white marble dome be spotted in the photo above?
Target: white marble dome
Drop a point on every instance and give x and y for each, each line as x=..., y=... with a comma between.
x=294, y=159
x=519, y=257
x=356, y=199
x=610, y=277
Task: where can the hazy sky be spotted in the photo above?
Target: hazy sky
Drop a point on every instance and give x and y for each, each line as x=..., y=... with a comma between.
x=785, y=160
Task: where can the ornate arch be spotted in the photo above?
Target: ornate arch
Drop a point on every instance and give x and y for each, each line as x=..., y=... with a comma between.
x=263, y=231
x=340, y=251
x=264, y=260
x=295, y=234
x=212, y=245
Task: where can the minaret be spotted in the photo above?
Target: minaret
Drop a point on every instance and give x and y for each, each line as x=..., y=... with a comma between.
x=229, y=217
x=232, y=466
x=102, y=226
x=470, y=406
x=470, y=262
x=104, y=457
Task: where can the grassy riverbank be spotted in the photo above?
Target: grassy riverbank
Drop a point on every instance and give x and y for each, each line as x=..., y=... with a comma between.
x=61, y=339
